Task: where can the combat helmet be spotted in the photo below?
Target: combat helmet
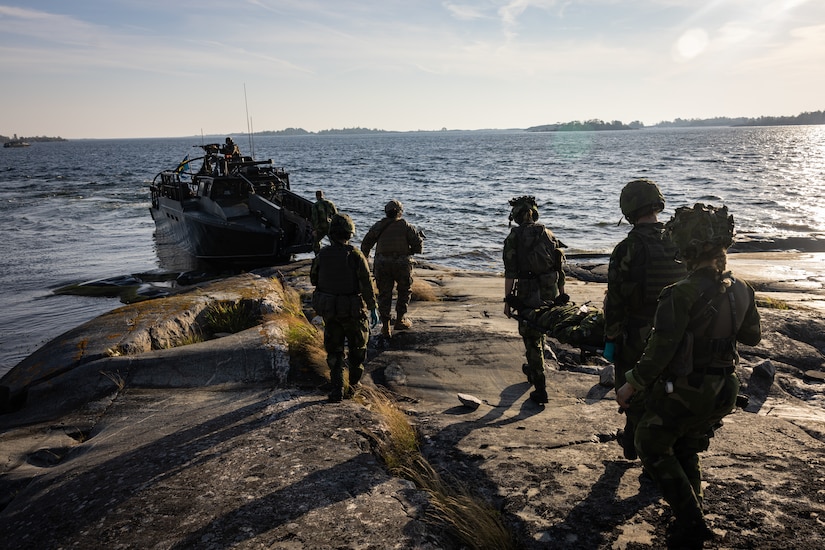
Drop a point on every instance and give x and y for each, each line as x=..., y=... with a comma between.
x=700, y=231
x=341, y=227
x=393, y=208
x=639, y=198
x=522, y=205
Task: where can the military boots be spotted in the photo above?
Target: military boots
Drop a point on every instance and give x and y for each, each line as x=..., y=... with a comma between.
x=539, y=395
x=386, y=330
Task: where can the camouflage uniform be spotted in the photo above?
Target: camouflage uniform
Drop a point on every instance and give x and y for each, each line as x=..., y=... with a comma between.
x=395, y=242
x=322, y=212
x=713, y=311
x=640, y=267
x=533, y=289
x=343, y=296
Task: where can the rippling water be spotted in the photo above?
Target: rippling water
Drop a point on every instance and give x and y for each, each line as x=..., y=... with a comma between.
x=78, y=210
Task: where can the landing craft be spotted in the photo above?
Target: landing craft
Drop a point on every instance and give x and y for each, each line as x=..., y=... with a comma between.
x=233, y=210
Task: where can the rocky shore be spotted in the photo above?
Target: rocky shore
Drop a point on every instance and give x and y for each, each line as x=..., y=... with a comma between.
x=130, y=436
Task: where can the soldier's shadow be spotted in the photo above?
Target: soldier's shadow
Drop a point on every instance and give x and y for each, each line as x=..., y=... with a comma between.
x=602, y=509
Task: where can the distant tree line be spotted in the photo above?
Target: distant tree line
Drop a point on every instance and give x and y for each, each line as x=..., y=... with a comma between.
x=815, y=117
x=588, y=125
x=4, y=139
x=302, y=132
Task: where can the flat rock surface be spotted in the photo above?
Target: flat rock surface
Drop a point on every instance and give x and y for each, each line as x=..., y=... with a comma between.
x=270, y=467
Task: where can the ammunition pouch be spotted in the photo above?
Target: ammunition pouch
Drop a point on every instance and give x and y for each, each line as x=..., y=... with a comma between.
x=338, y=306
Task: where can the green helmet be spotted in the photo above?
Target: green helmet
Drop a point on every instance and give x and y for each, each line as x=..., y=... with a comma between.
x=700, y=230
x=393, y=208
x=522, y=205
x=341, y=227
x=639, y=198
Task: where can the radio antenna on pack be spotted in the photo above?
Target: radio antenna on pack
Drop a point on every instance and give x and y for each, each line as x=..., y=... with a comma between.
x=248, y=123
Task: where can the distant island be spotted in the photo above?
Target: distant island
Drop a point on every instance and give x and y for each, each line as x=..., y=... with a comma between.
x=807, y=118
x=5, y=139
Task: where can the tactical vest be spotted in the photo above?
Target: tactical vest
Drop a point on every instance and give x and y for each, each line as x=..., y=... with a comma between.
x=338, y=275
x=660, y=269
x=336, y=294
x=393, y=239
x=709, y=344
x=536, y=251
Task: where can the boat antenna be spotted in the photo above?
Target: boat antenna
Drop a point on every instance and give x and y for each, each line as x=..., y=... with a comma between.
x=248, y=123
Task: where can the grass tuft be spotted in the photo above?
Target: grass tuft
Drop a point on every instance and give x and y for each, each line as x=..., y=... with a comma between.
x=231, y=317
x=471, y=519
x=422, y=291
x=771, y=303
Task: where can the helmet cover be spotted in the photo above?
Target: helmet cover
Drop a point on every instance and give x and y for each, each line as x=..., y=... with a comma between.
x=639, y=198
x=341, y=227
x=700, y=230
x=393, y=207
x=521, y=205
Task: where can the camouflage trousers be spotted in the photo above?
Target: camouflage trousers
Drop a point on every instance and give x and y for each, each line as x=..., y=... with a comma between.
x=628, y=351
x=534, y=353
x=355, y=332
x=317, y=236
x=675, y=428
x=393, y=272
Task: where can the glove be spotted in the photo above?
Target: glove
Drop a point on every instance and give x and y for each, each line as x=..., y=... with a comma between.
x=609, y=351
x=561, y=299
x=373, y=318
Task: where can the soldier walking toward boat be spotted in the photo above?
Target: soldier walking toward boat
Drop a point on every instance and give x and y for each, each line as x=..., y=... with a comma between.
x=395, y=241
x=322, y=212
x=343, y=296
x=534, y=273
x=640, y=266
x=687, y=371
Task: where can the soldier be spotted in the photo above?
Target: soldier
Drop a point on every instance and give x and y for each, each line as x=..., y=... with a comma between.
x=534, y=272
x=640, y=267
x=687, y=370
x=344, y=293
x=395, y=242
x=322, y=211
x=230, y=149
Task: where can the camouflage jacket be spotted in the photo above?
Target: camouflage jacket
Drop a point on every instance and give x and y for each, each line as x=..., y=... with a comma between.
x=322, y=212
x=640, y=266
x=549, y=281
x=392, y=237
x=330, y=265
x=675, y=312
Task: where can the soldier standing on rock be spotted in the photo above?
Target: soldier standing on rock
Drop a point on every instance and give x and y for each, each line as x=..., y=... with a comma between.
x=322, y=211
x=640, y=267
x=343, y=295
x=687, y=371
x=534, y=273
x=395, y=241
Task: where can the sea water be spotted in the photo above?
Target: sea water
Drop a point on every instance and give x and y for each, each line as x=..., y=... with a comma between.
x=79, y=210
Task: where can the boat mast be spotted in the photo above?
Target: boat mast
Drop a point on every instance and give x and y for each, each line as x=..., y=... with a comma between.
x=248, y=123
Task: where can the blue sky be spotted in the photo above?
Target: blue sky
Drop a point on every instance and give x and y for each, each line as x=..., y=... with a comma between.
x=151, y=68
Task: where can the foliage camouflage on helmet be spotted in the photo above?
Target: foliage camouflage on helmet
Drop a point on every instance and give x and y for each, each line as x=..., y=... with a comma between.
x=521, y=205
x=341, y=227
x=393, y=208
x=639, y=198
x=700, y=230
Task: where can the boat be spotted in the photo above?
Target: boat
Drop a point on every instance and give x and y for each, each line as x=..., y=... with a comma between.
x=15, y=142
x=233, y=210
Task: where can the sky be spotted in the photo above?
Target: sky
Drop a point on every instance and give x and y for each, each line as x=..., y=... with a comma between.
x=163, y=68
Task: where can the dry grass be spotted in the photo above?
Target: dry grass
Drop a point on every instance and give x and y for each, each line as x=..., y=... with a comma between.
x=472, y=520
x=231, y=317
x=771, y=303
x=305, y=342
x=116, y=379
x=422, y=291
